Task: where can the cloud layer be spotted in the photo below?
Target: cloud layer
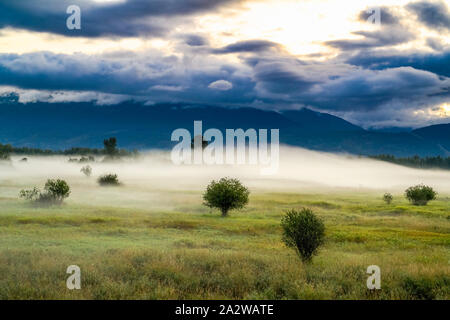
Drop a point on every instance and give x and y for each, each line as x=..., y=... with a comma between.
x=375, y=76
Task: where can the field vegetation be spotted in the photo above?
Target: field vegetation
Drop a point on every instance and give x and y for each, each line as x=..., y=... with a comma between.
x=153, y=238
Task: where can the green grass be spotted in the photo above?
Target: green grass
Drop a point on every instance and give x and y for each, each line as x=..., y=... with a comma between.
x=182, y=250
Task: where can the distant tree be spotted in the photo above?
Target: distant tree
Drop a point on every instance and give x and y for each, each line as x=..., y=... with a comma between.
x=303, y=231
x=5, y=152
x=416, y=161
x=387, y=197
x=110, y=147
x=226, y=194
x=420, y=195
x=87, y=170
x=85, y=159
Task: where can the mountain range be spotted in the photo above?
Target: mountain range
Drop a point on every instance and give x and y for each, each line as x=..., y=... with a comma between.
x=65, y=125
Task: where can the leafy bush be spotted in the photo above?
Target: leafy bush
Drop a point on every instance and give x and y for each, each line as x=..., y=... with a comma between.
x=30, y=195
x=87, y=170
x=388, y=198
x=303, y=231
x=55, y=191
x=109, y=179
x=226, y=194
x=420, y=195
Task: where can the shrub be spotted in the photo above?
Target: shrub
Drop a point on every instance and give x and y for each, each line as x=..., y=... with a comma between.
x=226, y=194
x=55, y=191
x=420, y=195
x=109, y=179
x=30, y=195
x=87, y=170
x=388, y=198
x=303, y=231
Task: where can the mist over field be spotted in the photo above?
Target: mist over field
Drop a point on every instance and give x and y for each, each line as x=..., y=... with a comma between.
x=152, y=180
x=152, y=237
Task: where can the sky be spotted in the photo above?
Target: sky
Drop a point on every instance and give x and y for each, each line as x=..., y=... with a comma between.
x=327, y=55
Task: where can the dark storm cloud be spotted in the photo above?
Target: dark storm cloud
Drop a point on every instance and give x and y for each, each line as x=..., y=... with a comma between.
x=369, y=89
x=435, y=15
x=438, y=63
x=122, y=19
x=386, y=16
x=247, y=46
x=195, y=40
x=387, y=36
x=272, y=80
x=281, y=78
x=162, y=78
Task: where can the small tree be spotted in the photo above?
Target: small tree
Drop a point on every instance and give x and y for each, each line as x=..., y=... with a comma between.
x=388, y=198
x=58, y=190
x=109, y=179
x=226, y=194
x=87, y=170
x=303, y=231
x=420, y=195
x=110, y=147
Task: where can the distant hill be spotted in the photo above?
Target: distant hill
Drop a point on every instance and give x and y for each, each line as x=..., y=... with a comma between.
x=439, y=134
x=136, y=126
x=312, y=121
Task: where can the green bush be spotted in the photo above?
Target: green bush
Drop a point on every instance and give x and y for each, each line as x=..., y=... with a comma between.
x=109, y=179
x=55, y=191
x=30, y=195
x=420, y=195
x=387, y=197
x=303, y=231
x=226, y=194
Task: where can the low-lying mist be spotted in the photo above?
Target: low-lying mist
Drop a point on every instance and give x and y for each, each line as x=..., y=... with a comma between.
x=153, y=180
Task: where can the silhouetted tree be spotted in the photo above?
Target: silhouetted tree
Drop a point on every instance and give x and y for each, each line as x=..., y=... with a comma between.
x=110, y=147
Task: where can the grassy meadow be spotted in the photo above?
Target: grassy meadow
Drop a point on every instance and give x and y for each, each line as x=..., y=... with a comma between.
x=157, y=241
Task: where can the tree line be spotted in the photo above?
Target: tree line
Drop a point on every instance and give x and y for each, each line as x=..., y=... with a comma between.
x=110, y=149
x=416, y=161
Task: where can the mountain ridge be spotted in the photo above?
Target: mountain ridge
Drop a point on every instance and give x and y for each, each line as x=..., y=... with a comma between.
x=136, y=126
